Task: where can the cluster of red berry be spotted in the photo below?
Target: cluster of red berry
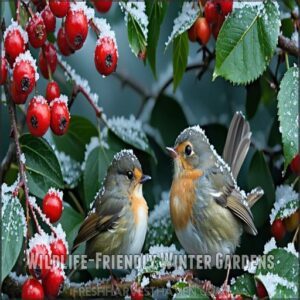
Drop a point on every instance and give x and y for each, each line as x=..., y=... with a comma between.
x=46, y=255
x=71, y=36
x=215, y=12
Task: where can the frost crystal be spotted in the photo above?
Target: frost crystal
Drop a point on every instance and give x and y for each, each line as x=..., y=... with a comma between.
x=26, y=56
x=20, y=279
x=187, y=17
x=251, y=266
x=145, y=281
x=137, y=10
x=14, y=26
x=83, y=83
x=41, y=238
x=129, y=130
x=81, y=6
x=105, y=31
x=291, y=249
x=284, y=203
x=123, y=153
x=94, y=143
x=269, y=246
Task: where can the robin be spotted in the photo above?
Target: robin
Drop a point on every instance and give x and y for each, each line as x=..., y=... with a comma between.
x=208, y=209
x=117, y=223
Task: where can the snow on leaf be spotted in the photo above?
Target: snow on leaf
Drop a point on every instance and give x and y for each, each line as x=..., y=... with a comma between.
x=269, y=246
x=188, y=15
x=286, y=203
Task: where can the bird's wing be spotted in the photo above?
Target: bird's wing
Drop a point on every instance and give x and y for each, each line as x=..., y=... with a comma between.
x=225, y=193
x=105, y=218
x=237, y=143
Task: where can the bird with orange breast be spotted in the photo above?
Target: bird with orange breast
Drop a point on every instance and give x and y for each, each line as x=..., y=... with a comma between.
x=208, y=210
x=117, y=223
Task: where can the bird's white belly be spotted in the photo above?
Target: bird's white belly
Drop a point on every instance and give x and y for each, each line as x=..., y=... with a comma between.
x=136, y=236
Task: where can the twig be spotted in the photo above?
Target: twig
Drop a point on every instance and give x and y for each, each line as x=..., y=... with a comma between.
x=295, y=235
x=288, y=45
x=76, y=202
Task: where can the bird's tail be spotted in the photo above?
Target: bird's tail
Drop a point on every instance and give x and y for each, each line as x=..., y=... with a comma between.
x=254, y=195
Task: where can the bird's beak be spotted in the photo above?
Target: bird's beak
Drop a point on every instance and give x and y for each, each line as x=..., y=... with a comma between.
x=144, y=179
x=172, y=152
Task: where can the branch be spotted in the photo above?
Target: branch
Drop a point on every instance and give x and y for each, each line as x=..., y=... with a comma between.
x=104, y=289
x=288, y=45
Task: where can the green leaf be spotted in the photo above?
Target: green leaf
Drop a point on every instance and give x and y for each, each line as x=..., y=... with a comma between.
x=279, y=273
x=187, y=17
x=70, y=222
x=79, y=134
x=130, y=132
x=180, y=57
x=157, y=11
x=288, y=209
x=259, y=175
x=288, y=114
x=189, y=293
x=42, y=167
x=244, y=285
x=287, y=27
x=137, y=23
x=246, y=42
x=173, y=122
x=253, y=98
x=12, y=227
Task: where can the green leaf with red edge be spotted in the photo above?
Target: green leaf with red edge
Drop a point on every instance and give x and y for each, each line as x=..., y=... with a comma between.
x=288, y=114
x=156, y=11
x=180, y=57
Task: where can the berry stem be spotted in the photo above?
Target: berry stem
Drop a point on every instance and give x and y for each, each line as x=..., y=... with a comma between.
x=94, y=27
x=18, y=12
x=295, y=235
x=48, y=65
x=28, y=9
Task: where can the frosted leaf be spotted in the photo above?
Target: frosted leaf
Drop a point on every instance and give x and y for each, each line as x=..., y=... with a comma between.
x=186, y=18
x=137, y=10
x=286, y=203
x=269, y=246
x=160, y=229
x=145, y=281
x=130, y=131
x=70, y=168
x=78, y=80
x=291, y=249
x=251, y=266
x=94, y=143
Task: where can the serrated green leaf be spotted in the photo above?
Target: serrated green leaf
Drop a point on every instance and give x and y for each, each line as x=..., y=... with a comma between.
x=246, y=42
x=186, y=18
x=79, y=134
x=156, y=13
x=288, y=114
x=279, y=273
x=288, y=209
x=189, y=293
x=244, y=285
x=12, y=231
x=180, y=57
x=42, y=167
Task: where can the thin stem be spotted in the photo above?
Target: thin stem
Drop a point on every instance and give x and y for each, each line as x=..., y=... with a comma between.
x=95, y=28
x=286, y=56
x=48, y=65
x=76, y=202
x=295, y=235
x=288, y=45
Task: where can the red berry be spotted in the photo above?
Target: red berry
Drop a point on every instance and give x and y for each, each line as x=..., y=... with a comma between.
x=202, y=31
x=226, y=6
x=136, y=292
x=60, y=116
x=210, y=12
x=32, y=290
x=192, y=33
x=278, y=229
x=102, y=6
x=15, y=39
x=59, y=250
x=24, y=75
x=52, y=205
x=295, y=165
x=47, y=57
x=49, y=19
x=38, y=116
x=106, y=56
x=39, y=260
x=76, y=26
x=18, y=98
x=53, y=282
x=3, y=71
x=217, y=26
x=238, y=297
x=36, y=30
x=261, y=291
x=224, y=295
x=52, y=91
x=62, y=43
x=59, y=7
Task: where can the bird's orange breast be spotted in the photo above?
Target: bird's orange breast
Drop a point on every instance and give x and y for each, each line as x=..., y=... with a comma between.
x=139, y=206
x=183, y=197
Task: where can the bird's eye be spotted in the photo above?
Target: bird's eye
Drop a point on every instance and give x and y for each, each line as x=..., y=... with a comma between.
x=129, y=175
x=188, y=150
